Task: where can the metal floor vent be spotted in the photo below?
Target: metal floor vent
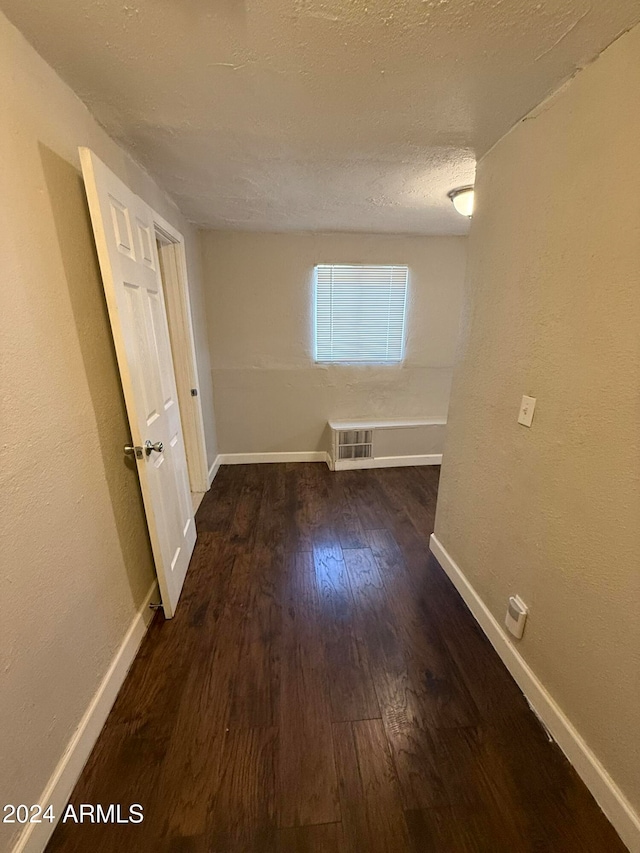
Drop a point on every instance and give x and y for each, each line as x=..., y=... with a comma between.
x=354, y=444
x=375, y=443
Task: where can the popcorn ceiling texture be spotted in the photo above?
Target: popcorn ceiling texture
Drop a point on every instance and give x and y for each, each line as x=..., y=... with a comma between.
x=316, y=114
x=552, y=310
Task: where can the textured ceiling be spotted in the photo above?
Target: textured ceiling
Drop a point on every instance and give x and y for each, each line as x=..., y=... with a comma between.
x=316, y=114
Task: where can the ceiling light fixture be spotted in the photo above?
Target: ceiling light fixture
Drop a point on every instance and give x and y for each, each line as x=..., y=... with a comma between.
x=462, y=199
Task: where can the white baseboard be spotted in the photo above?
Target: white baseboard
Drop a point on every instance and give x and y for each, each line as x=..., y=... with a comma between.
x=217, y=462
x=322, y=456
x=292, y=456
x=604, y=790
x=35, y=836
x=388, y=462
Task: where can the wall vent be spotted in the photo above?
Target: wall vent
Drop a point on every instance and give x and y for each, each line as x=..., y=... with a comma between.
x=354, y=444
x=381, y=444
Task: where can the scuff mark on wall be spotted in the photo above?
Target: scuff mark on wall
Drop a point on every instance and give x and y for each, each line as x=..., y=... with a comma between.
x=324, y=16
x=228, y=65
x=566, y=32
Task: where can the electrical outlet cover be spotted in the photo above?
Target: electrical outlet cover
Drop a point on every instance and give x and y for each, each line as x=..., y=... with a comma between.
x=527, y=408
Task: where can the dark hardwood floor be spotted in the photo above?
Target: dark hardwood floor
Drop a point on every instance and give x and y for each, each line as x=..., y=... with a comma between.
x=323, y=688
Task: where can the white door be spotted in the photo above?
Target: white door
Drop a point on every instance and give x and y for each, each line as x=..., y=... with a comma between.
x=125, y=239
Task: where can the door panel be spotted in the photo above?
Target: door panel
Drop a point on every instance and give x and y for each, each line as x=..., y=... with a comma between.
x=125, y=240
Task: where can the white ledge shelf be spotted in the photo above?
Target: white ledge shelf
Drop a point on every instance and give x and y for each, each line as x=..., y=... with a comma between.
x=392, y=424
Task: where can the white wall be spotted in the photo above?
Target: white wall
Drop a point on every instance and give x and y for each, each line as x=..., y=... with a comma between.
x=552, y=310
x=269, y=393
x=76, y=561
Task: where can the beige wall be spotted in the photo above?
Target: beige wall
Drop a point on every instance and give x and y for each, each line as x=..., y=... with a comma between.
x=76, y=561
x=553, y=310
x=269, y=394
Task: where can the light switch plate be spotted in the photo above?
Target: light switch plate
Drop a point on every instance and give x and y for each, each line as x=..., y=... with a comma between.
x=527, y=408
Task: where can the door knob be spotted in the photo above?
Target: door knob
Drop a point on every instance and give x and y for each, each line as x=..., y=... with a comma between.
x=149, y=446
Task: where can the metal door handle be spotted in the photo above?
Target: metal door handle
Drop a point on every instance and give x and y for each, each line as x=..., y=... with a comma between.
x=149, y=446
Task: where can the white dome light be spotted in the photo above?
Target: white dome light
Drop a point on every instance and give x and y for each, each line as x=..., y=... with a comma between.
x=462, y=199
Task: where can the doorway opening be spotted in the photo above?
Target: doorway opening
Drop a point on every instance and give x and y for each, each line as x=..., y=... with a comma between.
x=173, y=270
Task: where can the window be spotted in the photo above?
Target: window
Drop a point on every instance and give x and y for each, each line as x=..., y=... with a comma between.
x=360, y=312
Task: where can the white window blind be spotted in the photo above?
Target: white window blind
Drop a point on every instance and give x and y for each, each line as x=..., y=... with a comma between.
x=360, y=312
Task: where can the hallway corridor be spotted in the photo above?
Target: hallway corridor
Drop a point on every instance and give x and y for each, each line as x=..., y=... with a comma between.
x=323, y=688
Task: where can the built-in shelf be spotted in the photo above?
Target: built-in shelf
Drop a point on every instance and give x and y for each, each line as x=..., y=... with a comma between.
x=392, y=424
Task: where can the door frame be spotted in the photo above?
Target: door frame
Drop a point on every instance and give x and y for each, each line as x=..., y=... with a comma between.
x=173, y=269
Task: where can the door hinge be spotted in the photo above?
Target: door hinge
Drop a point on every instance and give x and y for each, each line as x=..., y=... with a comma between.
x=194, y=392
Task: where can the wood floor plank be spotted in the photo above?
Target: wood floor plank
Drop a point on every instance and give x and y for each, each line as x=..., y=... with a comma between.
x=127, y=759
x=256, y=685
x=196, y=745
x=308, y=506
x=445, y=700
x=362, y=494
x=242, y=524
x=452, y=829
x=411, y=517
x=307, y=785
x=400, y=694
x=372, y=814
x=345, y=521
x=549, y=822
x=323, y=687
x=486, y=678
x=216, y=515
x=242, y=809
x=376, y=626
x=351, y=689
x=416, y=693
x=322, y=838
